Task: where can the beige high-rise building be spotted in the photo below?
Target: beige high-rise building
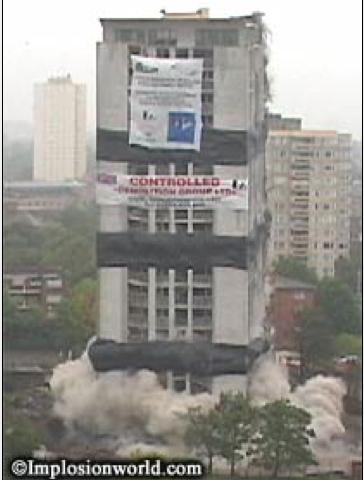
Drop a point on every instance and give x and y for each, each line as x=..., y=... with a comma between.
x=59, y=130
x=308, y=194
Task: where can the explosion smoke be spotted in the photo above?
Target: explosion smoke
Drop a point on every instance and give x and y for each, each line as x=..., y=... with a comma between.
x=128, y=408
x=135, y=412
x=321, y=396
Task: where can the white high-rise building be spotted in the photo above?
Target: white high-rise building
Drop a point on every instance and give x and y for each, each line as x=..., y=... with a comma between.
x=59, y=130
x=308, y=193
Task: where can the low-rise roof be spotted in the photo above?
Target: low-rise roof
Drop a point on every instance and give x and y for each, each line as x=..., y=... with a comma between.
x=286, y=283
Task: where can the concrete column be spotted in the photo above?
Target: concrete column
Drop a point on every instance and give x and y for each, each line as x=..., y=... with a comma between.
x=189, y=304
x=169, y=380
x=190, y=210
x=188, y=383
x=230, y=306
x=151, y=211
x=229, y=383
x=113, y=290
x=171, y=307
x=113, y=304
x=151, y=304
x=172, y=225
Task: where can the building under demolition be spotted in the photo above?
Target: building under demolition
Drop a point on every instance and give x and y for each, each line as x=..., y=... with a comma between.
x=181, y=281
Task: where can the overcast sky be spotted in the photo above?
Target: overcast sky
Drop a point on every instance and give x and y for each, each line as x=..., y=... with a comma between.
x=315, y=51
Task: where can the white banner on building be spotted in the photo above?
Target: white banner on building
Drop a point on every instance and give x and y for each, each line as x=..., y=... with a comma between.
x=172, y=191
x=166, y=103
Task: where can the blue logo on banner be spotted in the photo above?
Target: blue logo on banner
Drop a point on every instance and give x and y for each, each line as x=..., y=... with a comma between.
x=181, y=127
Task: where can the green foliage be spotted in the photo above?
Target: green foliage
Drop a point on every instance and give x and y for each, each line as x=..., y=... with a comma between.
x=283, y=438
x=72, y=247
x=20, y=436
x=201, y=432
x=26, y=330
x=235, y=427
x=336, y=312
x=315, y=339
x=23, y=244
x=77, y=315
x=275, y=436
x=292, y=268
x=347, y=344
x=10, y=311
x=140, y=454
x=69, y=242
x=340, y=306
x=73, y=325
x=347, y=270
x=17, y=160
x=84, y=303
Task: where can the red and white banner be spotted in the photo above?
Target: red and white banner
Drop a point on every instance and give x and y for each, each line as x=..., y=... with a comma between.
x=172, y=191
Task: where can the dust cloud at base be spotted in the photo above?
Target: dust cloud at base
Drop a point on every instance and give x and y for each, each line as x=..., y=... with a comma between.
x=321, y=396
x=132, y=411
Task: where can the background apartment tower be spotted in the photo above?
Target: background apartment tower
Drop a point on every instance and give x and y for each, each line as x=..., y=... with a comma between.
x=59, y=130
x=308, y=193
x=185, y=274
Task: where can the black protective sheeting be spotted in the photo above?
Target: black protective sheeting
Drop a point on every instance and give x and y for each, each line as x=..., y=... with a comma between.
x=221, y=147
x=134, y=249
x=205, y=359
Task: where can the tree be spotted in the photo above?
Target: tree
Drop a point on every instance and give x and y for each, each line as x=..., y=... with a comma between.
x=347, y=344
x=68, y=242
x=84, y=303
x=17, y=160
x=72, y=326
x=201, y=432
x=21, y=435
x=76, y=316
x=10, y=311
x=72, y=245
x=315, y=340
x=340, y=306
x=235, y=427
x=292, y=268
x=347, y=271
x=283, y=437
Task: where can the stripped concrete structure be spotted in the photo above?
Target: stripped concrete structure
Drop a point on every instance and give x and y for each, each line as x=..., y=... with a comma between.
x=185, y=275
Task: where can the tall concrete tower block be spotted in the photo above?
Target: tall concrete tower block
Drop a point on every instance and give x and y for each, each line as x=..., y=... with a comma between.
x=308, y=185
x=185, y=275
x=59, y=130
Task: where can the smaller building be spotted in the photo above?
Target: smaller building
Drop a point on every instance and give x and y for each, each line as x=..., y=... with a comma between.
x=289, y=297
x=43, y=198
x=357, y=469
x=35, y=287
x=275, y=121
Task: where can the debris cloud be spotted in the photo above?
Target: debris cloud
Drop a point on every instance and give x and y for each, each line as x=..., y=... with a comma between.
x=135, y=413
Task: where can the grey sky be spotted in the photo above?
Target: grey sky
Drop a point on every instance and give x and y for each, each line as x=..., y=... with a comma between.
x=315, y=51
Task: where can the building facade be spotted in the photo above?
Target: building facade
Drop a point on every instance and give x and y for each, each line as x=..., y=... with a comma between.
x=59, y=130
x=42, y=199
x=289, y=297
x=308, y=194
x=275, y=121
x=356, y=221
x=185, y=274
x=33, y=287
